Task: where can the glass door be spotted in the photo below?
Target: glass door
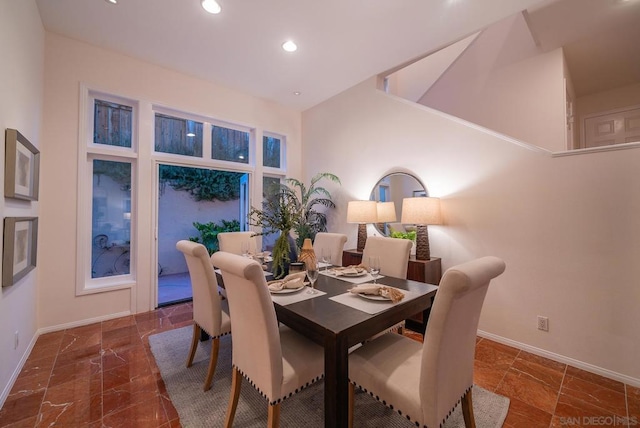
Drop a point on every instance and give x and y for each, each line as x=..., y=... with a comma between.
x=193, y=204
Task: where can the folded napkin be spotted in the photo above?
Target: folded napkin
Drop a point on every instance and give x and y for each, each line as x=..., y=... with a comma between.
x=348, y=270
x=293, y=280
x=391, y=293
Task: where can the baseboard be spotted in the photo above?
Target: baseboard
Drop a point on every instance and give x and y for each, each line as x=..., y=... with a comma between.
x=16, y=372
x=44, y=330
x=562, y=359
x=80, y=323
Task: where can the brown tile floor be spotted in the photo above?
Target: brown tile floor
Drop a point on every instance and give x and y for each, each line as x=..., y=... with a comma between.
x=103, y=375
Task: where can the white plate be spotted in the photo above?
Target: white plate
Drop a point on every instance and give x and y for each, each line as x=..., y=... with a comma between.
x=352, y=275
x=374, y=297
x=288, y=290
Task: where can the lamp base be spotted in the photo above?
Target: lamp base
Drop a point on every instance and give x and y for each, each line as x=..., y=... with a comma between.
x=422, y=243
x=362, y=236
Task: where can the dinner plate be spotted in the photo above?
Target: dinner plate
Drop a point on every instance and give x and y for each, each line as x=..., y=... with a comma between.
x=288, y=290
x=364, y=272
x=374, y=297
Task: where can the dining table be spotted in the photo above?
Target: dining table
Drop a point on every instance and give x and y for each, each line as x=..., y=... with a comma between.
x=337, y=327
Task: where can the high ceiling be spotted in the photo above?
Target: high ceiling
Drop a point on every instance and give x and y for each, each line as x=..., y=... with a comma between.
x=341, y=42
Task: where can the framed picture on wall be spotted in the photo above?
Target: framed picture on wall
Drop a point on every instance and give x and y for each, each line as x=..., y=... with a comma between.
x=22, y=167
x=20, y=248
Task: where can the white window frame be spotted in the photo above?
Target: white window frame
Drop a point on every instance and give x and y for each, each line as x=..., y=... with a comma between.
x=88, y=151
x=268, y=170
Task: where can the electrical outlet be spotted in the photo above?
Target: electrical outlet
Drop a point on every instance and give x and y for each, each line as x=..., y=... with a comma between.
x=16, y=340
x=543, y=323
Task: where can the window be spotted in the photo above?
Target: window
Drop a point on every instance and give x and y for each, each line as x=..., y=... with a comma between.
x=271, y=151
x=229, y=144
x=178, y=136
x=112, y=123
x=110, y=218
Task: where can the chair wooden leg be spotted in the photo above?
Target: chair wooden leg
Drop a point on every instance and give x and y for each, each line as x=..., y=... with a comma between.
x=273, y=420
x=194, y=344
x=352, y=393
x=236, y=382
x=467, y=411
x=215, y=347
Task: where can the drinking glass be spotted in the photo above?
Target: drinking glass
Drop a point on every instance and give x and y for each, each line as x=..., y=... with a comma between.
x=245, y=248
x=312, y=274
x=326, y=258
x=374, y=267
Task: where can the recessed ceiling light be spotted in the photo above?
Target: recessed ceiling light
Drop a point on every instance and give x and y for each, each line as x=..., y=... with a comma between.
x=211, y=6
x=297, y=93
x=289, y=46
x=111, y=1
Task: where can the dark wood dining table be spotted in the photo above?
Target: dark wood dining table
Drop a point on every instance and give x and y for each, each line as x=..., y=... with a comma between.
x=337, y=327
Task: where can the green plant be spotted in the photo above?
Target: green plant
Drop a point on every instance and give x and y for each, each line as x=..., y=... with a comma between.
x=292, y=206
x=309, y=220
x=277, y=215
x=209, y=233
x=405, y=235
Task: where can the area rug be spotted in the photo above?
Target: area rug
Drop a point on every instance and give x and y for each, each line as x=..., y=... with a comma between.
x=207, y=409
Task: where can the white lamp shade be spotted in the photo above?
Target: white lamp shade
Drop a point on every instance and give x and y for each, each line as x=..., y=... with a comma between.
x=362, y=212
x=386, y=212
x=421, y=211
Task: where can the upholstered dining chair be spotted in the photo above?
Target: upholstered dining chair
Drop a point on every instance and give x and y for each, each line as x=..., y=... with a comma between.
x=424, y=382
x=333, y=242
x=231, y=242
x=392, y=252
x=210, y=313
x=276, y=360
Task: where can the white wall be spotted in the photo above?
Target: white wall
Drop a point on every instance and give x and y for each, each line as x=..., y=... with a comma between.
x=503, y=83
x=70, y=64
x=567, y=227
x=21, y=82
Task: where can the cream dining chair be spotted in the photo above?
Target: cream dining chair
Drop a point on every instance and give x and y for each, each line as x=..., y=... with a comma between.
x=333, y=242
x=231, y=242
x=210, y=313
x=276, y=360
x=424, y=382
x=392, y=252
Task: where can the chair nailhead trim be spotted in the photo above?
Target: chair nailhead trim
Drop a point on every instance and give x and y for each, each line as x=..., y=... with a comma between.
x=279, y=400
x=407, y=416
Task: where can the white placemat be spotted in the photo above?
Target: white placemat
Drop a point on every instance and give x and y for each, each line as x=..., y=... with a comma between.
x=352, y=279
x=370, y=306
x=298, y=296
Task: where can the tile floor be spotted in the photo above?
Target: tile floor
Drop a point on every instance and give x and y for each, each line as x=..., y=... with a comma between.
x=103, y=375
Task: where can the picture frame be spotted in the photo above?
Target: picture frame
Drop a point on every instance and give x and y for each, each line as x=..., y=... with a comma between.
x=419, y=193
x=20, y=248
x=22, y=167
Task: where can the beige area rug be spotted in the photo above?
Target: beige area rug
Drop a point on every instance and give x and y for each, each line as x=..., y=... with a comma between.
x=305, y=409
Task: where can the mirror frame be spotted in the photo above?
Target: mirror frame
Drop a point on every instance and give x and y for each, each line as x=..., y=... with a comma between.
x=375, y=195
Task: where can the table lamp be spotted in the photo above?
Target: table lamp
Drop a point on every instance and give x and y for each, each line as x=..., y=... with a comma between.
x=386, y=214
x=421, y=211
x=362, y=212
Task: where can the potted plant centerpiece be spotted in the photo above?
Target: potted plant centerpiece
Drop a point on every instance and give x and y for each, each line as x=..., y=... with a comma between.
x=292, y=206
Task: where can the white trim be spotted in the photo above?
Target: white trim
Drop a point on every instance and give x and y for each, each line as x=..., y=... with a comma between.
x=18, y=369
x=610, y=148
x=562, y=359
x=81, y=323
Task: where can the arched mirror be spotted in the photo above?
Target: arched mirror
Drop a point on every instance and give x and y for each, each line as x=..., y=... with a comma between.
x=394, y=187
